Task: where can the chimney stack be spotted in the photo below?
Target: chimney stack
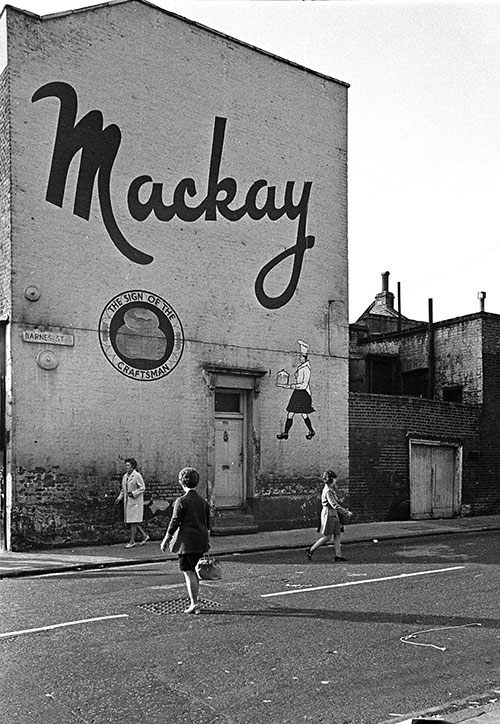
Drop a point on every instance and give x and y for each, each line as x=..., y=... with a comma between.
x=385, y=298
x=481, y=296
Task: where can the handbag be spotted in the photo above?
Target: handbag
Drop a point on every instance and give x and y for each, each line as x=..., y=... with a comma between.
x=209, y=568
x=344, y=515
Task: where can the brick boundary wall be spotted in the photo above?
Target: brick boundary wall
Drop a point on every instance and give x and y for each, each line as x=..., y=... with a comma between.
x=379, y=428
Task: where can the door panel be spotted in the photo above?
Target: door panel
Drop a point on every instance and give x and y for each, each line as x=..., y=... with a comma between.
x=443, y=477
x=433, y=481
x=420, y=481
x=228, y=489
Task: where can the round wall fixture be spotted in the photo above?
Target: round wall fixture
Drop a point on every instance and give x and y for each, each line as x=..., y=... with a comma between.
x=32, y=294
x=47, y=360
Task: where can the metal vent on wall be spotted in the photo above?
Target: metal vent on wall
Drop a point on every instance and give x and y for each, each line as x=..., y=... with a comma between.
x=177, y=605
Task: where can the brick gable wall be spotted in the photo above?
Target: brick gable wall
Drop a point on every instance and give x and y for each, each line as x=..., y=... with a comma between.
x=5, y=222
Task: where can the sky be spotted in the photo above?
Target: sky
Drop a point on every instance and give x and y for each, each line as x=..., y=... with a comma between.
x=423, y=128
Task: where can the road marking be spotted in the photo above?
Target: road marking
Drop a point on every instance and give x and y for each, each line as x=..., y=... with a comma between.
x=61, y=625
x=358, y=583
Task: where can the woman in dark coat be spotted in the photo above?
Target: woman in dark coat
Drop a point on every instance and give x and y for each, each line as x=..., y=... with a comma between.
x=191, y=518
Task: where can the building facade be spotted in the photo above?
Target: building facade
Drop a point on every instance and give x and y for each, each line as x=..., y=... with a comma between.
x=173, y=236
x=424, y=414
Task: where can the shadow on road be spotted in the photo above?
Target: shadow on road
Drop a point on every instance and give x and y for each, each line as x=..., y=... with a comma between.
x=418, y=620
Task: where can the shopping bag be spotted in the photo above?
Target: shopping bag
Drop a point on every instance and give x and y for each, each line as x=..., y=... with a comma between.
x=344, y=515
x=209, y=568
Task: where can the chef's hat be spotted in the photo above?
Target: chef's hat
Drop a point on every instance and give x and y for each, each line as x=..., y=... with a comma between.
x=304, y=347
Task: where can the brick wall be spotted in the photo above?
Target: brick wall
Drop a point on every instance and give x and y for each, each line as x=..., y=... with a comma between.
x=5, y=222
x=459, y=357
x=489, y=498
x=457, y=350
x=379, y=427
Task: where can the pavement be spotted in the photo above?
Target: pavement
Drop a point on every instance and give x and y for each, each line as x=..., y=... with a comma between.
x=484, y=709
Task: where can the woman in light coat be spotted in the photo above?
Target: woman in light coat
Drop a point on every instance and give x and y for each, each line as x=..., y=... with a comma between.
x=330, y=527
x=132, y=494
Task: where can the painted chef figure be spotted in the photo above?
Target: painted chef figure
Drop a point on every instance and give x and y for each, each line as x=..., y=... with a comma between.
x=300, y=400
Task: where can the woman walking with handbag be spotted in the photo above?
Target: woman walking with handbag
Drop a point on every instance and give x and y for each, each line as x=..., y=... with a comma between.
x=190, y=522
x=330, y=526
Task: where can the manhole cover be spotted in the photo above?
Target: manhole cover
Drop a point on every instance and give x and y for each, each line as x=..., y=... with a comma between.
x=177, y=605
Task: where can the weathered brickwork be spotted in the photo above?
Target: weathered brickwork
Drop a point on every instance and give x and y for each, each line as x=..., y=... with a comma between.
x=379, y=428
x=5, y=225
x=166, y=110
x=489, y=497
x=458, y=357
x=457, y=351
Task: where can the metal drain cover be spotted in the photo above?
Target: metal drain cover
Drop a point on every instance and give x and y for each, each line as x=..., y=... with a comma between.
x=177, y=605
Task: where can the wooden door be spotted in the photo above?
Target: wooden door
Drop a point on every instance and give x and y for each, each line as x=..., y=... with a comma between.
x=442, y=482
x=434, y=480
x=228, y=488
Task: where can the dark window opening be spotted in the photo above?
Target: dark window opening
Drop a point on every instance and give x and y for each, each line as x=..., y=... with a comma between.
x=227, y=401
x=415, y=383
x=453, y=393
x=382, y=375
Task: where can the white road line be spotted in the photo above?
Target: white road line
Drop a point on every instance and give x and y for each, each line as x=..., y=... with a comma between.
x=60, y=625
x=358, y=583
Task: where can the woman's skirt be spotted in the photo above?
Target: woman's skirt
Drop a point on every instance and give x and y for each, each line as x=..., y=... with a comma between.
x=300, y=401
x=329, y=523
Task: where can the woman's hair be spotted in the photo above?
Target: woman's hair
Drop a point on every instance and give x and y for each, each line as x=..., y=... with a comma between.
x=189, y=477
x=330, y=475
x=132, y=461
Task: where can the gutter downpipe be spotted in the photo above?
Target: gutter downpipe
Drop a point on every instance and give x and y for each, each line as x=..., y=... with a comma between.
x=431, y=355
x=399, y=306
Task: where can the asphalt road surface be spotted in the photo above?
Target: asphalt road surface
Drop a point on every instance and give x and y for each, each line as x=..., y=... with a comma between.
x=402, y=626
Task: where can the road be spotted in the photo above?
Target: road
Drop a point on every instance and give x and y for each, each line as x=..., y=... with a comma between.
x=402, y=626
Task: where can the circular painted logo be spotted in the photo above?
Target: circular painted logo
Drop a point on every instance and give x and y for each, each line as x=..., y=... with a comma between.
x=141, y=335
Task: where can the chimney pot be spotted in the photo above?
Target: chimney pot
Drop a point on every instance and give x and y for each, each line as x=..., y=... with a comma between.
x=481, y=296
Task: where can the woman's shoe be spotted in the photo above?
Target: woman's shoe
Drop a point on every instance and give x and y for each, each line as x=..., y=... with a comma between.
x=339, y=558
x=144, y=541
x=310, y=435
x=309, y=553
x=129, y=545
x=193, y=608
